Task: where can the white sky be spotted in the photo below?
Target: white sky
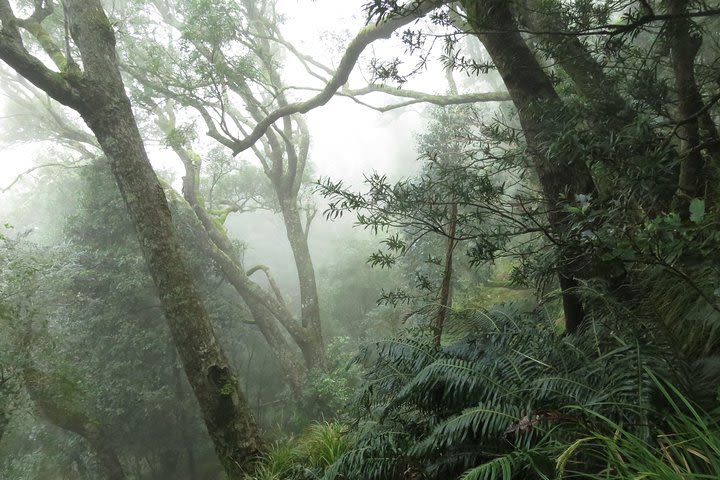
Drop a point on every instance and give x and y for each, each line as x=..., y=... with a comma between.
x=348, y=140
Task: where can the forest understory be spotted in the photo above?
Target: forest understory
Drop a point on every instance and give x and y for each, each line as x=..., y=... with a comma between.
x=362, y=240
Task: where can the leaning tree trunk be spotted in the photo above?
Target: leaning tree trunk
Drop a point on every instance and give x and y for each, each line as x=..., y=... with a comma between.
x=214, y=240
x=531, y=90
x=97, y=93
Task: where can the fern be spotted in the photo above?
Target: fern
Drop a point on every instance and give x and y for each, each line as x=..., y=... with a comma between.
x=501, y=467
x=505, y=398
x=688, y=316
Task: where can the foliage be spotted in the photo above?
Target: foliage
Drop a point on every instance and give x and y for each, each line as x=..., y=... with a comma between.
x=306, y=457
x=456, y=169
x=350, y=289
x=88, y=323
x=326, y=393
x=687, y=447
x=463, y=193
x=507, y=398
x=505, y=394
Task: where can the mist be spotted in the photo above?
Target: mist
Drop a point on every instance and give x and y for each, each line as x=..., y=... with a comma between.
x=295, y=239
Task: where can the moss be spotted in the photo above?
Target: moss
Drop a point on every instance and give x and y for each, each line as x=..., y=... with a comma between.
x=47, y=44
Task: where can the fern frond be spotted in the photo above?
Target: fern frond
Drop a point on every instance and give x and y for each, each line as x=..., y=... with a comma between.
x=497, y=468
x=472, y=424
x=453, y=380
x=509, y=396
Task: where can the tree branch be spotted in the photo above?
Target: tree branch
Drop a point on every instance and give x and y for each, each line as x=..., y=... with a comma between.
x=13, y=52
x=422, y=97
x=366, y=36
x=271, y=280
x=38, y=167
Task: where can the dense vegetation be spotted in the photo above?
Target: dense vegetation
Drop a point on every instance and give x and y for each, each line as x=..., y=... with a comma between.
x=539, y=297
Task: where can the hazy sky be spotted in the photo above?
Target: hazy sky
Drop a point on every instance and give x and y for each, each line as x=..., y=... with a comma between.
x=347, y=139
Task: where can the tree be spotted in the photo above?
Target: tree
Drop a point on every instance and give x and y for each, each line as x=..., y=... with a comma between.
x=51, y=390
x=643, y=252
x=565, y=176
x=457, y=197
x=282, y=156
x=532, y=91
x=700, y=141
x=96, y=91
x=237, y=101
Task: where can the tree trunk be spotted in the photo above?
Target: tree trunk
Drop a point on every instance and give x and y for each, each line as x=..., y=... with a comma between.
x=283, y=158
x=97, y=93
x=309, y=303
x=444, y=300
x=265, y=312
x=537, y=103
x=182, y=418
x=695, y=176
x=294, y=373
x=4, y=414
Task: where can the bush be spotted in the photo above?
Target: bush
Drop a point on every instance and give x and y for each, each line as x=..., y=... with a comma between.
x=306, y=457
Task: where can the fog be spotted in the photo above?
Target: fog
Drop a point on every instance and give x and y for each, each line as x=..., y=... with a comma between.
x=348, y=142
x=62, y=214
x=359, y=240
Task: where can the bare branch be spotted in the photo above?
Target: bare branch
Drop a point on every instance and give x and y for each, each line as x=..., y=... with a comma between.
x=271, y=280
x=416, y=97
x=366, y=36
x=38, y=167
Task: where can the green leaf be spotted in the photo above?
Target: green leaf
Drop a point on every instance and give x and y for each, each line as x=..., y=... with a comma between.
x=562, y=460
x=697, y=210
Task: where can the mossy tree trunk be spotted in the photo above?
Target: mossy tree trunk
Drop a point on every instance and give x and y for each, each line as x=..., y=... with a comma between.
x=268, y=313
x=97, y=92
